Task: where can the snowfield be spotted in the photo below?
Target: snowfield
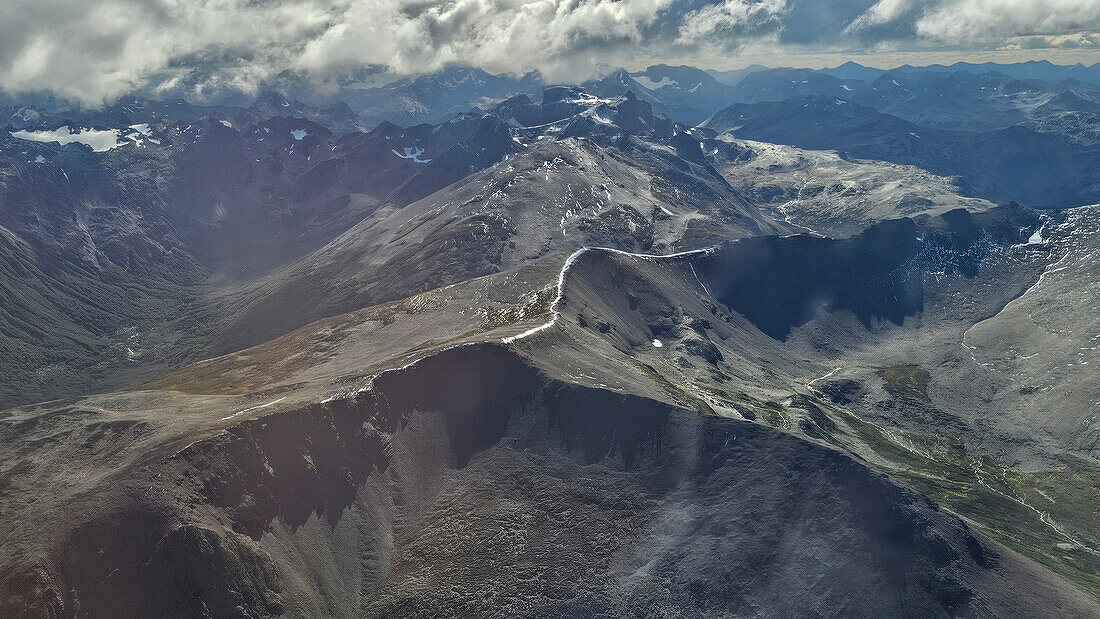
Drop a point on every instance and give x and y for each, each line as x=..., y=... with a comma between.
x=411, y=153
x=99, y=140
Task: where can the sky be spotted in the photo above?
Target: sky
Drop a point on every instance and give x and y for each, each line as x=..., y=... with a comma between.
x=93, y=51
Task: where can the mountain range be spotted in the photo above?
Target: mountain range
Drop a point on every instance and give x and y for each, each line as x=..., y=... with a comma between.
x=668, y=342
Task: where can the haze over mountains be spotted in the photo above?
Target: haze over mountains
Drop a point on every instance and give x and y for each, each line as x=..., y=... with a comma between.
x=778, y=342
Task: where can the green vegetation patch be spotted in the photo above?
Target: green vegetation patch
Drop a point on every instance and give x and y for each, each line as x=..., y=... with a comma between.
x=538, y=305
x=677, y=394
x=906, y=382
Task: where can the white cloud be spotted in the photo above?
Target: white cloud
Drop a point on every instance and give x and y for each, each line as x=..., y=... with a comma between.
x=882, y=12
x=91, y=50
x=736, y=18
x=559, y=37
x=960, y=20
x=95, y=50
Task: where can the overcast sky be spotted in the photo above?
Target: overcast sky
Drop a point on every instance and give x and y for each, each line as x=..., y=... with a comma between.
x=94, y=50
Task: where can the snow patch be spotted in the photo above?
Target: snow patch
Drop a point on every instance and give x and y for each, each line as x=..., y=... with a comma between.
x=252, y=408
x=657, y=344
x=99, y=140
x=652, y=85
x=298, y=134
x=412, y=153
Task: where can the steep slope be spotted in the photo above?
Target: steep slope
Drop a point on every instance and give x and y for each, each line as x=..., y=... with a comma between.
x=90, y=267
x=586, y=172
x=190, y=192
x=1042, y=169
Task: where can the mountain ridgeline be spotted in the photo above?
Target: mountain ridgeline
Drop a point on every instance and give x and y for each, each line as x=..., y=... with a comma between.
x=672, y=342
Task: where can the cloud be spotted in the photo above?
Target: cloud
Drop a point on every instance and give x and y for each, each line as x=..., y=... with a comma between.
x=883, y=12
x=92, y=50
x=731, y=21
x=1077, y=40
x=95, y=50
x=955, y=20
x=562, y=38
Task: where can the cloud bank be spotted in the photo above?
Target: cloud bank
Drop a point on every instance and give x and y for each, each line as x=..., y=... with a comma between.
x=95, y=50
